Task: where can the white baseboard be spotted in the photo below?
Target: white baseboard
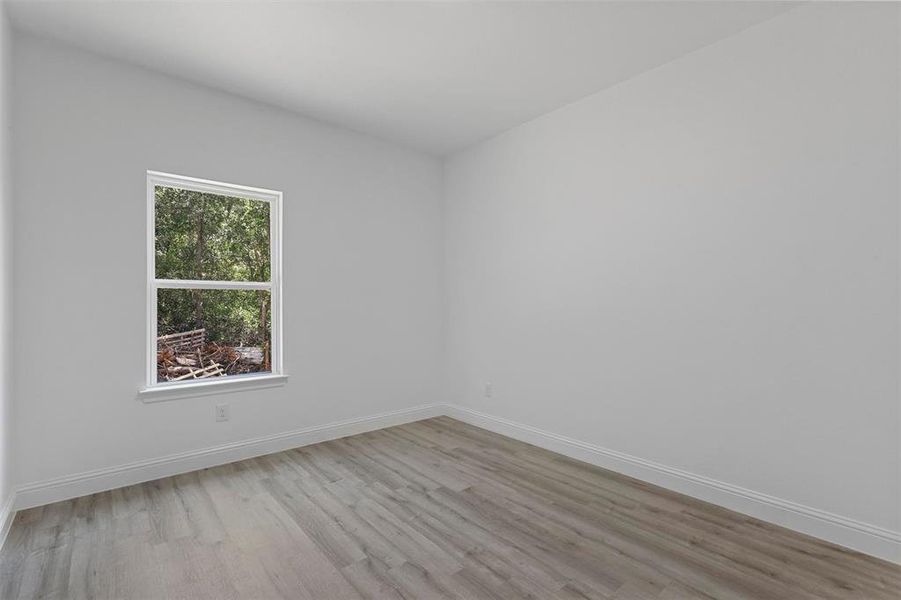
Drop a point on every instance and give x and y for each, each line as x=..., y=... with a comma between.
x=91, y=482
x=863, y=537
x=7, y=514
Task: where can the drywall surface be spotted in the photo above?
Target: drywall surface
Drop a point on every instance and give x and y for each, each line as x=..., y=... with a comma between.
x=362, y=262
x=699, y=267
x=6, y=267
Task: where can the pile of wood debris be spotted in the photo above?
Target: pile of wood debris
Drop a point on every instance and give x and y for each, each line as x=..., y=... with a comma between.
x=187, y=355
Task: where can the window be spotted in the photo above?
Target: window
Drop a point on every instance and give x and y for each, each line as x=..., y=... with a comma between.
x=214, y=285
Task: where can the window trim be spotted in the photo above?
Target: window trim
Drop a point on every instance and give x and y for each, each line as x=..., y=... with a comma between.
x=274, y=285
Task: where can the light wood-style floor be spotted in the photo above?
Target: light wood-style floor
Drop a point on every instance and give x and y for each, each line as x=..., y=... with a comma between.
x=434, y=509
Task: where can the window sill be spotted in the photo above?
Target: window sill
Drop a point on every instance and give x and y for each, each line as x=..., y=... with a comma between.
x=225, y=385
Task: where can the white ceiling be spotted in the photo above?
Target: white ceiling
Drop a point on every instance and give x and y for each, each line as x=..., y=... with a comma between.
x=437, y=76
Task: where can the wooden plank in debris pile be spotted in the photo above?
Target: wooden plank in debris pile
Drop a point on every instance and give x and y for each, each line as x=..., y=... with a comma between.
x=173, y=336
x=188, y=344
x=193, y=339
x=250, y=354
x=213, y=370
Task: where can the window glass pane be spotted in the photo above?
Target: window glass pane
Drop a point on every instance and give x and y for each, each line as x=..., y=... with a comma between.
x=212, y=333
x=211, y=237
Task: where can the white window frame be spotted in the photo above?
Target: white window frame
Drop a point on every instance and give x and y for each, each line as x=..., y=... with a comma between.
x=274, y=285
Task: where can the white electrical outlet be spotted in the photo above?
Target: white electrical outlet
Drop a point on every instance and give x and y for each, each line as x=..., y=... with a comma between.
x=222, y=412
x=489, y=390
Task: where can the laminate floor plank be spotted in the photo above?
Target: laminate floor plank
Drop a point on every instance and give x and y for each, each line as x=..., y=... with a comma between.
x=435, y=509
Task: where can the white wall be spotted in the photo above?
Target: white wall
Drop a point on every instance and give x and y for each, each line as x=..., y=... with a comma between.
x=6, y=267
x=362, y=268
x=699, y=267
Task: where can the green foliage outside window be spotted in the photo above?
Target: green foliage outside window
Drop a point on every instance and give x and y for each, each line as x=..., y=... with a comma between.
x=206, y=236
x=212, y=237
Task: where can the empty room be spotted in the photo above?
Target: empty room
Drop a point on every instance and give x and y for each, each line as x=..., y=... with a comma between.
x=449, y=300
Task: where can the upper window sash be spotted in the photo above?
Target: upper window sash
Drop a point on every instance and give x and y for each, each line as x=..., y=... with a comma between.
x=236, y=198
